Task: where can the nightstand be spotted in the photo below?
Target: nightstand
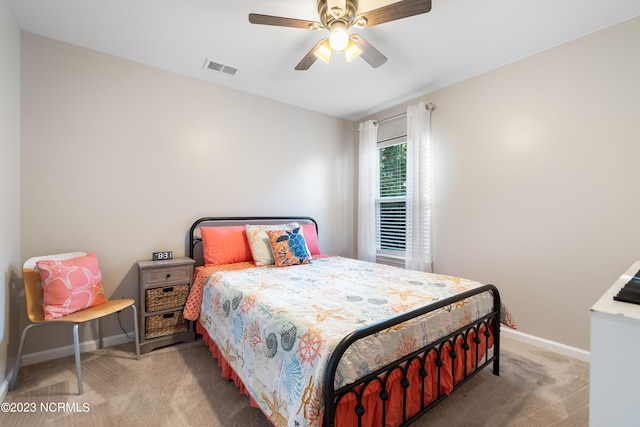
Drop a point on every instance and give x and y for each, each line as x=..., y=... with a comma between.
x=164, y=287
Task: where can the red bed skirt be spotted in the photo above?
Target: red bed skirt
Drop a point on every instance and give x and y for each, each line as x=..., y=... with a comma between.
x=345, y=412
x=227, y=370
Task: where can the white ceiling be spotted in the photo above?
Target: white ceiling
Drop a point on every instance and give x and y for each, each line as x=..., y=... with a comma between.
x=456, y=40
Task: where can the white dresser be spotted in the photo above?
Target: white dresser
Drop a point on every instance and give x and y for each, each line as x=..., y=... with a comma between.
x=614, y=393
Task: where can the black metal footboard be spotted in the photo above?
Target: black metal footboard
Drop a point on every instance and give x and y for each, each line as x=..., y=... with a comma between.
x=477, y=333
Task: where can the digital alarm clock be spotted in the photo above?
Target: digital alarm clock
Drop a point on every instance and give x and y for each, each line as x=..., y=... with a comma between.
x=162, y=256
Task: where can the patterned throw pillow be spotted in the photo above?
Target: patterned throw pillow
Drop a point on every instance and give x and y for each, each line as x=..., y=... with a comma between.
x=259, y=241
x=70, y=285
x=288, y=247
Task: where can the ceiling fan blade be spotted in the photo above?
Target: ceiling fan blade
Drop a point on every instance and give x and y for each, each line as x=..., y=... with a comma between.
x=309, y=58
x=395, y=11
x=256, y=18
x=369, y=53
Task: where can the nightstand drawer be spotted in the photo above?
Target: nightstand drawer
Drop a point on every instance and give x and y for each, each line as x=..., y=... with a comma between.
x=164, y=324
x=166, y=297
x=169, y=274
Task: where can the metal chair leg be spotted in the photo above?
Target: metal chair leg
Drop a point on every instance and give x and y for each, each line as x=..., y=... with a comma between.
x=18, y=365
x=135, y=329
x=100, y=333
x=76, y=345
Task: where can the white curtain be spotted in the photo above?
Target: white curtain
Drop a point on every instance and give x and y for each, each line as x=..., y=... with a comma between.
x=418, y=244
x=367, y=190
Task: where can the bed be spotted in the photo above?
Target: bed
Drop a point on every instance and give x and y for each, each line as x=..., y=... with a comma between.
x=323, y=340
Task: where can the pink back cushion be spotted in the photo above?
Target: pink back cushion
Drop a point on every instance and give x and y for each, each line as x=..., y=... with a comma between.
x=225, y=245
x=70, y=285
x=311, y=237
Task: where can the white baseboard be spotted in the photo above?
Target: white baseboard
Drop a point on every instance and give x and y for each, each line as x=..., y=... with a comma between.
x=58, y=352
x=555, y=347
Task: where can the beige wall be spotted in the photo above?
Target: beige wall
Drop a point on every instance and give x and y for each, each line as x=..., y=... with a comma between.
x=535, y=169
x=537, y=181
x=9, y=187
x=120, y=158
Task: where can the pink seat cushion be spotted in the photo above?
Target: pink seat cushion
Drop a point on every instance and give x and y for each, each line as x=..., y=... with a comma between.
x=70, y=285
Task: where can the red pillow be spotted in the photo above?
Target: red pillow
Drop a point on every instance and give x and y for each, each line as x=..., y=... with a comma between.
x=311, y=237
x=70, y=285
x=225, y=245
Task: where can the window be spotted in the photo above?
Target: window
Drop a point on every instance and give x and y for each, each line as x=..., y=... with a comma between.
x=391, y=202
x=394, y=199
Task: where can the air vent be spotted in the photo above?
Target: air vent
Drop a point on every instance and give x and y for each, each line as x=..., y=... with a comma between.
x=220, y=68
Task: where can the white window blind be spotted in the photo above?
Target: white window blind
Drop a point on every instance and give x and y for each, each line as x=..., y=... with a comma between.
x=391, y=204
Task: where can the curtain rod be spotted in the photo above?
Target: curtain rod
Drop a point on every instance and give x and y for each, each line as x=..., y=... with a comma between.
x=430, y=107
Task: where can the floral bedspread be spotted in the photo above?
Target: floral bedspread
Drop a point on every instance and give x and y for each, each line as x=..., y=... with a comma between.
x=277, y=327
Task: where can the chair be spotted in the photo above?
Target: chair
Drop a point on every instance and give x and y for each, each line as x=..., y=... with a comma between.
x=35, y=311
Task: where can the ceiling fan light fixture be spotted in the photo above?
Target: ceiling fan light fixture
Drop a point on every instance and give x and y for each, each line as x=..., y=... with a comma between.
x=352, y=51
x=339, y=38
x=337, y=17
x=324, y=51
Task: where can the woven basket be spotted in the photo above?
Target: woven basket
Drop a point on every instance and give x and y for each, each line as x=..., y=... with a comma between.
x=165, y=324
x=168, y=297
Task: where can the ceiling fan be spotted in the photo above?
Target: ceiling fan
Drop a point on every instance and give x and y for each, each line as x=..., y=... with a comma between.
x=338, y=16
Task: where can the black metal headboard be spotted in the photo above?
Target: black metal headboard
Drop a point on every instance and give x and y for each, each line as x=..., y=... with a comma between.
x=195, y=249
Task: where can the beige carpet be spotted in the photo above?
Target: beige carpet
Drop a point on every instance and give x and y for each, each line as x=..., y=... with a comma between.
x=181, y=386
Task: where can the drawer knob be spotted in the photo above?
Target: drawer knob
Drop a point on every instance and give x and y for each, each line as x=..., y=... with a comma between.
x=168, y=275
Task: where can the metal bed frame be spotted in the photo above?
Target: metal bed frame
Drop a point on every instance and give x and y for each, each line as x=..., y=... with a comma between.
x=481, y=330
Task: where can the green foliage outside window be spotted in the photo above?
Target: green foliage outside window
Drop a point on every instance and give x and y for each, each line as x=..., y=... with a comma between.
x=393, y=170
x=392, y=204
